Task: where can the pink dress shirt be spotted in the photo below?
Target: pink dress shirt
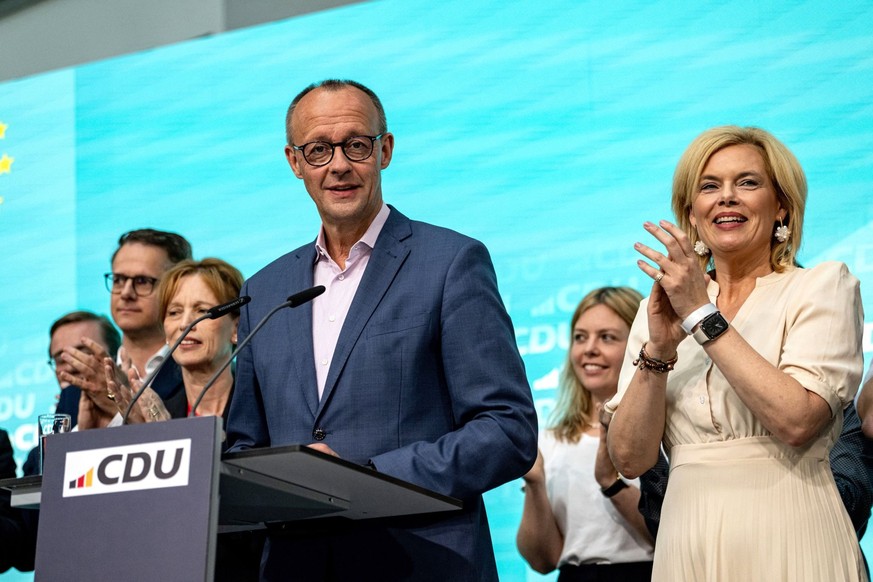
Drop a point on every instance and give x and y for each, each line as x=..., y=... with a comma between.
x=329, y=309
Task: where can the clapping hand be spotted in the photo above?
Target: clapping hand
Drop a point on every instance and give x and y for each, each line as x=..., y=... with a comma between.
x=148, y=408
x=679, y=287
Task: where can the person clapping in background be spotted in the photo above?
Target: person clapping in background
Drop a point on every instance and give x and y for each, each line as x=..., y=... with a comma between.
x=579, y=515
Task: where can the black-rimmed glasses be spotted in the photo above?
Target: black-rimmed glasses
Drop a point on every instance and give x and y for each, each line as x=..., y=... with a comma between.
x=320, y=153
x=142, y=284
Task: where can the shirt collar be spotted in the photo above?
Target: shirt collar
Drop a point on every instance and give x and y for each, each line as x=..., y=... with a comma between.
x=368, y=239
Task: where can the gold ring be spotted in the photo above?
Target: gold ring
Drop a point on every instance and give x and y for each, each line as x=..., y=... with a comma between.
x=659, y=277
x=153, y=411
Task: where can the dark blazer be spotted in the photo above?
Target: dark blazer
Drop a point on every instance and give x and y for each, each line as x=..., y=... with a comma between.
x=177, y=404
x=68, y=403
x=17, y=527
x=169, y=382
x=426, y=384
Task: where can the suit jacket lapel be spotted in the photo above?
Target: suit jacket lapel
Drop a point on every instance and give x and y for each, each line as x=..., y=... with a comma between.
x=298, y=322
x=387, y=257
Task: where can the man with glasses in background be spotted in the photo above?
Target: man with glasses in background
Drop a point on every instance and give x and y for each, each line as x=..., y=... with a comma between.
x=141, y=259
x=407, y=364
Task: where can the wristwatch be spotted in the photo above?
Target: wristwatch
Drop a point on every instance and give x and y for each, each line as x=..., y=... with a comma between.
x=614, y=488
x=710, y=328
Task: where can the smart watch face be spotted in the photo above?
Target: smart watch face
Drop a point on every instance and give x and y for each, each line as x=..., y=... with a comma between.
x=710, y=328
x=714, y=325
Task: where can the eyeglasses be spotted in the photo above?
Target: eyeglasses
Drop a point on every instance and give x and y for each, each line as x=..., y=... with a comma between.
x=320, y=153
x=142, y=285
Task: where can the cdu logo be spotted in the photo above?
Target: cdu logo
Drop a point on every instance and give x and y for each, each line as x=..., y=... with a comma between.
x=128, y=468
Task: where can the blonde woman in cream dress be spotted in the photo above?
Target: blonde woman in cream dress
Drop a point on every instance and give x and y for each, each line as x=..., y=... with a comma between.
x=749, y=407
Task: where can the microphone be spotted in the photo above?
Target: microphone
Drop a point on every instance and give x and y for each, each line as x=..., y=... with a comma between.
x=295, y=300
x=211, y=313
x=302, y=297
x=225, y=308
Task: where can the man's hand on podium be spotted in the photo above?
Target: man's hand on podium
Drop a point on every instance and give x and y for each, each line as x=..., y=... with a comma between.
x=321, y=447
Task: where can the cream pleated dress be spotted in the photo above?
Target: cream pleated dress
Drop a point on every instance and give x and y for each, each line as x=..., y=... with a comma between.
x=741, y=505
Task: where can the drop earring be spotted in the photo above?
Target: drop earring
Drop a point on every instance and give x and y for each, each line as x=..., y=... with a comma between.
x=782, y=233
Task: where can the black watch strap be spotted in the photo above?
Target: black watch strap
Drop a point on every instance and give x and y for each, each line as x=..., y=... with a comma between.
x=614, y=488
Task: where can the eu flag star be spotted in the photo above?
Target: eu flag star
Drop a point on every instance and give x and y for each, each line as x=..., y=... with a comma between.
x=6, y=164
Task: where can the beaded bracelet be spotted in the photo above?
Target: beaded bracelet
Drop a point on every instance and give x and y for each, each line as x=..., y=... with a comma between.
x=657, y=366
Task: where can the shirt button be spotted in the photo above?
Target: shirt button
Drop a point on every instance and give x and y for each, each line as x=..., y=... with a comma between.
x=341, y=277
x=707, y=361
x=324, y=362
x=702, y=399
x=331, y=318
x=319, y=434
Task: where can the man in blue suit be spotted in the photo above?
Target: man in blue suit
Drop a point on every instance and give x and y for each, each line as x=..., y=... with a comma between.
x=406, y=364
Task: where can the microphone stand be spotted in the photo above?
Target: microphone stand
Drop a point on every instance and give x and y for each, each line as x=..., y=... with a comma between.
x=293, y=301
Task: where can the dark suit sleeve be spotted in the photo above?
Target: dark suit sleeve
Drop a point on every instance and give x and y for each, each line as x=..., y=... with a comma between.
x=7, y=459
x=653, y=487
x=68, y=403
x=851, y=463
x=31, y=464
x=17, y=534
x=495, y=427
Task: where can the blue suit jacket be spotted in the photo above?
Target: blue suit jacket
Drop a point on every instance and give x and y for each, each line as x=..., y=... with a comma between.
x=426, y=383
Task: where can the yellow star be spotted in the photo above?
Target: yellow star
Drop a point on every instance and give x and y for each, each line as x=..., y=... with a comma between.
x=3, y=127
x=6, y=164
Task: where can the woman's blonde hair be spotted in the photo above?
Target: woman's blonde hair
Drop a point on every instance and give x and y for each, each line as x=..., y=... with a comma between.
x=574, y=410
x=782, y=168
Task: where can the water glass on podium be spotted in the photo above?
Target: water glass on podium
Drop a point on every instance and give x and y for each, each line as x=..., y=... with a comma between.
x=50, y=424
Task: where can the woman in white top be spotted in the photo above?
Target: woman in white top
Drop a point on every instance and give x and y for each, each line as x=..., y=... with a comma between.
x=579, y=514
x=749, y=409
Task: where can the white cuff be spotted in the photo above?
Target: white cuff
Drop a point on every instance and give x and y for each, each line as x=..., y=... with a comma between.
x=697, y=316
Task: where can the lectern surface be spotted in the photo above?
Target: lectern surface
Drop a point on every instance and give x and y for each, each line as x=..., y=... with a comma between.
x=293, y=483
x=327, y=485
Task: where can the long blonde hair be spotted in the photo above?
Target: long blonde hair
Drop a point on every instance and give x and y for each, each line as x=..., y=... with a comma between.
x=574, y=410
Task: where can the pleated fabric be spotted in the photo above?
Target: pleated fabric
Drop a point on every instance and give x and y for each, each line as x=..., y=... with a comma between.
x=754, y=509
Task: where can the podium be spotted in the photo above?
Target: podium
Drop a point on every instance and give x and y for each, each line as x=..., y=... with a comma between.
x=146, y=502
